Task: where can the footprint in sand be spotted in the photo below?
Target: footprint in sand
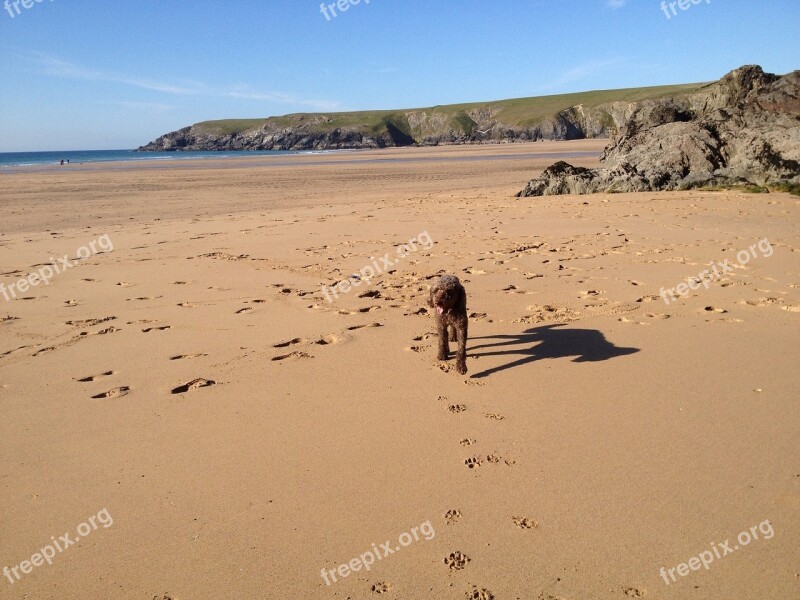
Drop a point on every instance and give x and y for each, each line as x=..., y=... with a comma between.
x=713, y=309
x=14, y=351
x=105, y=331
x=473, y=462
x=96, y=377
x=295, y=354
x=457, y=408
x=162, y=328
x=477, y=593
x=761, y=302
x=291, y=342
x=186, y=356
x=524, y=522
x=417, y=349
x=194, y=384
x=627, y=320
x=457, y=560
x=246, y=309
x=494, y=416
x=89, y=322
x=635, y=592
x=496, y=459
x=657, y=316
x=382, y=587
x=474, y=383
x=117, y=392
x=452, y=516
x=354, y=327
x=466, y=442
x=368, y=309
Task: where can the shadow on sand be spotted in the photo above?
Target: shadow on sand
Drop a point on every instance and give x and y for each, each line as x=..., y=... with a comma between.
x=547, y=341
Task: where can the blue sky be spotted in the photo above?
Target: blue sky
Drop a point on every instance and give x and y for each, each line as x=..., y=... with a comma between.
x=106, y=74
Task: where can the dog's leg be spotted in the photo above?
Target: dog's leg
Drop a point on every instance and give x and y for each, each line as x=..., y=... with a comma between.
x=444, y=346
x=461, y=355
x=453, y=336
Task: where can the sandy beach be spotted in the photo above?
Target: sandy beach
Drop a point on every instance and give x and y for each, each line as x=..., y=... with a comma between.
x=189, y=398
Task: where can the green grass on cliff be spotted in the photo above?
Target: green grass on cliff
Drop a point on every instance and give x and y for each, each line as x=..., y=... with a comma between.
x=229, y=126
x=523, y=112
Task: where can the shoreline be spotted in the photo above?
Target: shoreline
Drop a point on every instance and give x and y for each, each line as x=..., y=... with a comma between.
x=240, y=159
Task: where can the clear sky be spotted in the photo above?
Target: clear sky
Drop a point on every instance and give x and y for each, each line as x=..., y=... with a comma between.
x=108, y=74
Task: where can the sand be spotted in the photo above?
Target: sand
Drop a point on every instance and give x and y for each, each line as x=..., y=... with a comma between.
x=231, y=432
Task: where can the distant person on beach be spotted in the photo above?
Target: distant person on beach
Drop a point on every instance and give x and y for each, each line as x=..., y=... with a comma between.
x=62, y=162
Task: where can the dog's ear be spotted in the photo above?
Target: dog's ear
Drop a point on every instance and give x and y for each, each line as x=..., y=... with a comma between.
x=461, y=299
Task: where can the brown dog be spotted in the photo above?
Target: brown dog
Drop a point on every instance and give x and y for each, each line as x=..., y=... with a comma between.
x=449, y=298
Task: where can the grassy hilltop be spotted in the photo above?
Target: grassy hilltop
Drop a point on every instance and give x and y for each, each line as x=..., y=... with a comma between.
x=521, y=112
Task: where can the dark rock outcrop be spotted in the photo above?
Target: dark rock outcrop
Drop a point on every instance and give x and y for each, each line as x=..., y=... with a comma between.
x=742, y=130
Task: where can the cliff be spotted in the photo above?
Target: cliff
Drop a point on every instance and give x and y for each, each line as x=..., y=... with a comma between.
x=563, y=117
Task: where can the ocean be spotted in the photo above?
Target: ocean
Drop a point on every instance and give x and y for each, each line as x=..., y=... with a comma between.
x=34, y=159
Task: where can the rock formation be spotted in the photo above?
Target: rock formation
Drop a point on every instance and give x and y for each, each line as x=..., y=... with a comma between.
x=742, y=130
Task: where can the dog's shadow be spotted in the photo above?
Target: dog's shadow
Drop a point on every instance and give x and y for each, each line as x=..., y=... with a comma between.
x=547, y=341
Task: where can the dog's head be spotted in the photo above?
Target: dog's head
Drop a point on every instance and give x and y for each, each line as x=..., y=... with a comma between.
x=447, y=295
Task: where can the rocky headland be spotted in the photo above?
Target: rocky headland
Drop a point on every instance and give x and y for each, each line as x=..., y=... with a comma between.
x=743, y=130
x=596, y=114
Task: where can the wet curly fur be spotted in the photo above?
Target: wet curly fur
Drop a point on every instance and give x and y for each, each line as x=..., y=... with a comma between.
x=449, y=298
